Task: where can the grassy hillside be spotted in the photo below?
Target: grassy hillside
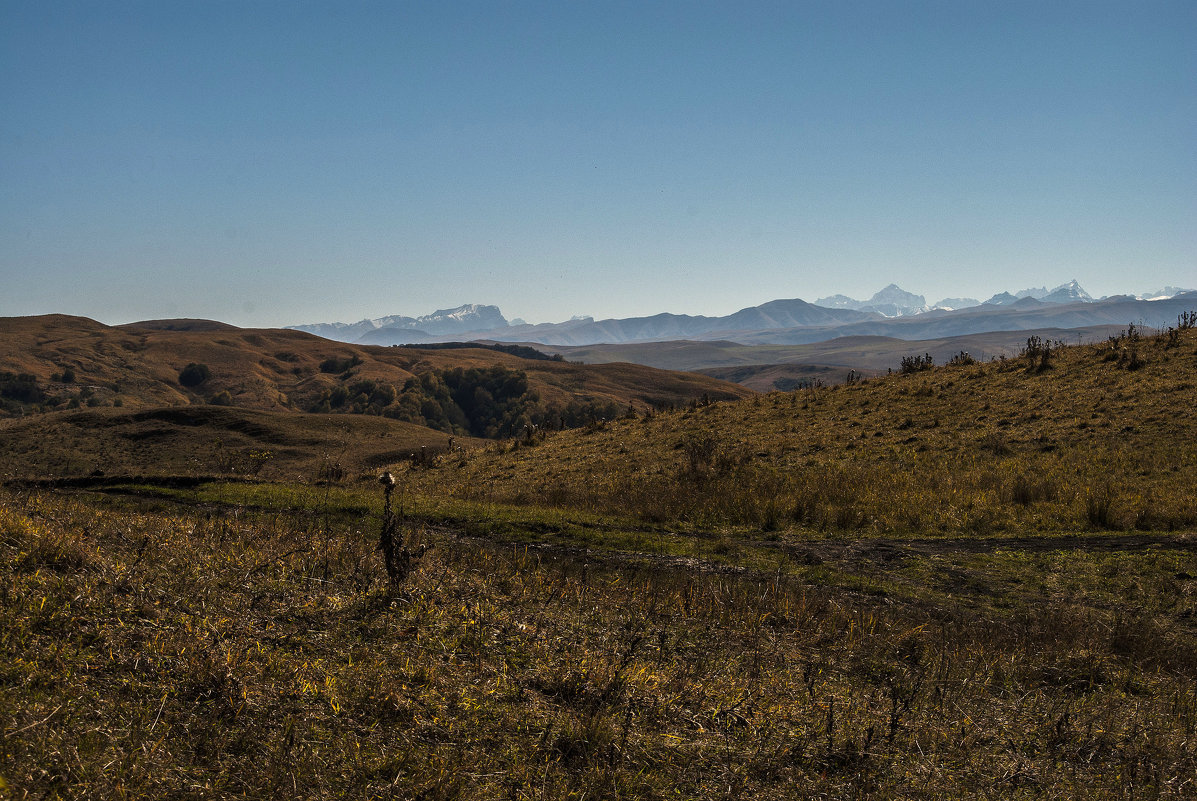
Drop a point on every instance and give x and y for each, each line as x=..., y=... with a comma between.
x=79, y=398
x=79, y=362
x=972, y=581
x=1097, y=436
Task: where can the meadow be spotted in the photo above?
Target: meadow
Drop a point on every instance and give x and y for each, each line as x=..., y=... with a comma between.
x=971, y=580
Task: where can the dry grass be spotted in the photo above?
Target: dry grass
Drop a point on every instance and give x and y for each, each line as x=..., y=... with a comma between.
x=190, y=654
x=971, y=449
x=191, y=441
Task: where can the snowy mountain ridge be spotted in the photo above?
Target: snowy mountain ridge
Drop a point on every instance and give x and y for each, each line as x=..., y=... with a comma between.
x=892, y=304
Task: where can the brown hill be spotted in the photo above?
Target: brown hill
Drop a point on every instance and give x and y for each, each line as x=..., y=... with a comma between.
x=138, y=365
x=82, y=397
x=182, y=324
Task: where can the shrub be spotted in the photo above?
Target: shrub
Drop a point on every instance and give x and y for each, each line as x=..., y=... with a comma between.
x=1130, y=358
x=194, y=374
x=481, y=401
x=338, y=396
x=1038, y=352
x=335, y=365
x=1026, y=489
x=916, y=364
x=1124, y=348
x=21, y=387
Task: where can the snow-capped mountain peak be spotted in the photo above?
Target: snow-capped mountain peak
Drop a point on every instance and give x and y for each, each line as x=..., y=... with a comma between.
x=892, y=301
x=1067, y=293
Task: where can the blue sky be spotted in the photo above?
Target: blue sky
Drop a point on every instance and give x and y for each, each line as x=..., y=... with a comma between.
x=272, y=163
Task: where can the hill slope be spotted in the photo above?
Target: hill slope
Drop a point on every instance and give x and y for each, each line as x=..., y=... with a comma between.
x=1102, y=436
x=82, y=397
x=139, y=365
x=189, y=442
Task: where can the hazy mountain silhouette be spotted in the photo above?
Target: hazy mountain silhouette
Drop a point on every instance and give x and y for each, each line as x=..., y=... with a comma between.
x=891, y=312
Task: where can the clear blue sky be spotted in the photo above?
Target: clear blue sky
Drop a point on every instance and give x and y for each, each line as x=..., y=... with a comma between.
x=270, y=163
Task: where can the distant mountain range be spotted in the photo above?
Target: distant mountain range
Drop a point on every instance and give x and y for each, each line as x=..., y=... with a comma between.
x=891, y=312
x=472, y=317
x=893, y=301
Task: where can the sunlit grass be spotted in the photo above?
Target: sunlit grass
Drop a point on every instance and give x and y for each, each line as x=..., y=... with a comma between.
x=982, y=449
x=257, y=651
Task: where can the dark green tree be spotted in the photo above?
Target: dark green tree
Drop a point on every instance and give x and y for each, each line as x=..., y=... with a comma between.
x=194, y=374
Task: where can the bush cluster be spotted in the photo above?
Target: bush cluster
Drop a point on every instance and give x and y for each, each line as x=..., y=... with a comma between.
x=1124, y=348
x=961, y=359
x=1038, y=352
x=20, y=387
x=491, y=402
x=344, y=364
x=916, y=364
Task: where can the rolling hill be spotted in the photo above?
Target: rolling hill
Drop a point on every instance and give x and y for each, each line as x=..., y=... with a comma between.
x=78, y=397
x=273, y=369
x=1058, y=437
